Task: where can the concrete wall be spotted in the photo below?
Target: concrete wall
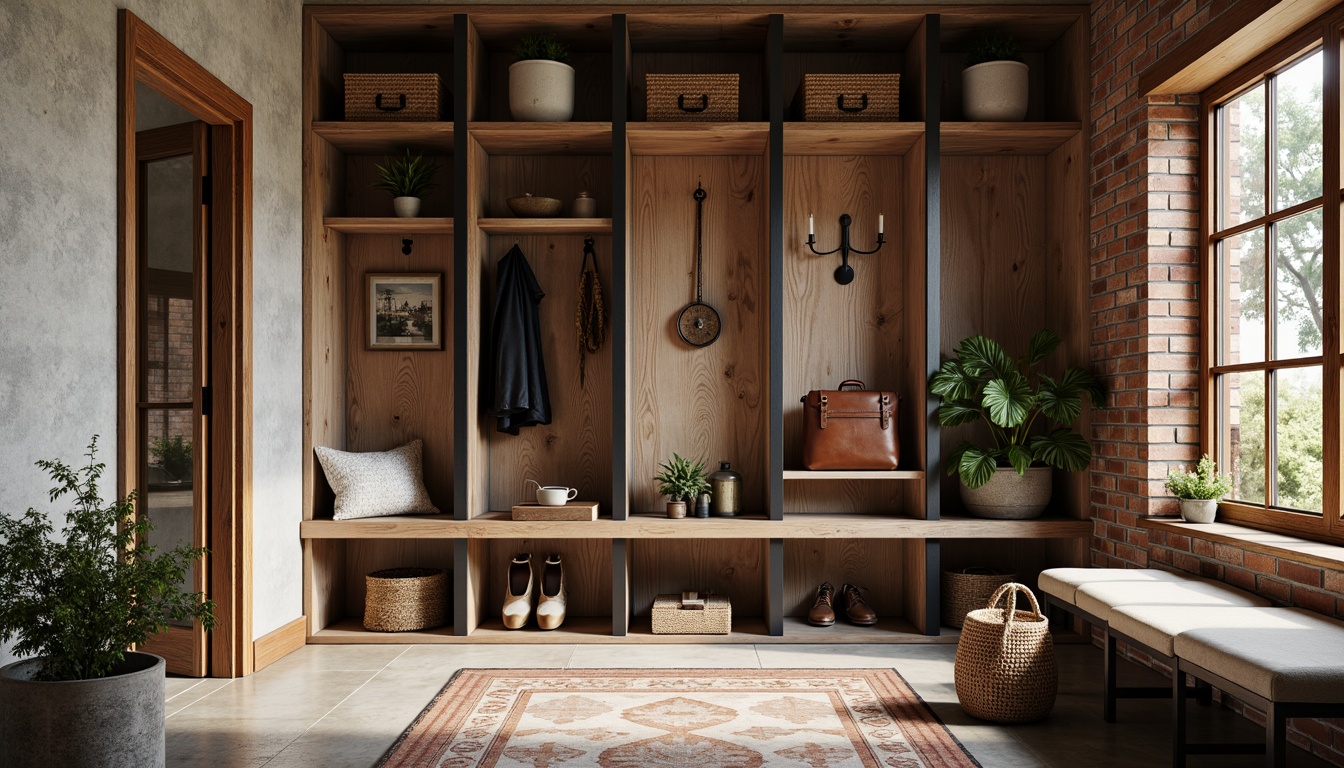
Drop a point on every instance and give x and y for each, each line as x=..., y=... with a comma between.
x=58, y=192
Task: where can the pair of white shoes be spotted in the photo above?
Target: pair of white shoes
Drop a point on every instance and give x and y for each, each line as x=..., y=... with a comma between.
x=518, y=593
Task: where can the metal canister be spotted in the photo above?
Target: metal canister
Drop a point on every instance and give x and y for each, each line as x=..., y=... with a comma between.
x=585, y=207
x=726, y=486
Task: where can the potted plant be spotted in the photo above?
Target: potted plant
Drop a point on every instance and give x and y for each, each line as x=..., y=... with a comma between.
x=541, y=84
x=1199, y=491
x=407, y=177
x=994, y=82
x=172, y=456
x=681, y=481
x=1010, y=480
x=74, y=605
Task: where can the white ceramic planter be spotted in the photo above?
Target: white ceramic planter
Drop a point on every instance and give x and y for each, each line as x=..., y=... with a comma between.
x=541, y=91
x=1010, y=496
x=995, y=91
x=1199, y=510
x=406, y=207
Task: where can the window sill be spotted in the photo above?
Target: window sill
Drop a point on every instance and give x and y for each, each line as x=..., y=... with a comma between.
x=1254, y=540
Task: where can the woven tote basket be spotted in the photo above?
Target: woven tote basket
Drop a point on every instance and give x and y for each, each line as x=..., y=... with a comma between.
x=850, y=98
x=1005, y=668
x=405, y=599
x=409, y=98
x=696, y=98
x=970, y=588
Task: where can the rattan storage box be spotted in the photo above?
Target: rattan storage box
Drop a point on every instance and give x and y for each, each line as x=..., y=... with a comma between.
x=852, y=98
x=405, y=599
x=669, y=618
x=692, y=97
x=405, y=97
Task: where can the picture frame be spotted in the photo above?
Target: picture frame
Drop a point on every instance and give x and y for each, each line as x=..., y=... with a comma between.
x=404, y=310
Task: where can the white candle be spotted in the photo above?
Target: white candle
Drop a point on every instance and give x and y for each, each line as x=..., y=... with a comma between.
x=810, y=230
x=880, y=230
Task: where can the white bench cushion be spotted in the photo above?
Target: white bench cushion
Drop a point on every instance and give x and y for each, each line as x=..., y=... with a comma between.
x=1064, y=582
x=1100, y=599
x=1156, y=626
x=1296, y=657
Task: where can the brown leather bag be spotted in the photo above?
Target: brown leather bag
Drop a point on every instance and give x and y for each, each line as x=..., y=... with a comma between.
x=850, y=428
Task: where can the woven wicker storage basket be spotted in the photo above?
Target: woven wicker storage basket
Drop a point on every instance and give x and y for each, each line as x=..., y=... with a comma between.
x=410, y=98
x=850, y=98
x=669, y=618
x=1005, y=668
x=405, y=599
x=692, y=97
x=965, y=590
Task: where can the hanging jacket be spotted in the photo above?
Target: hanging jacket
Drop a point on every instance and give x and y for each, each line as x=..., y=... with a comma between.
x=519, y=397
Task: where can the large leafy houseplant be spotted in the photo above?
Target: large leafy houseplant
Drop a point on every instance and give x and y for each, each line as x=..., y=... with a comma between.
x=1015, y=400
x=79, y=601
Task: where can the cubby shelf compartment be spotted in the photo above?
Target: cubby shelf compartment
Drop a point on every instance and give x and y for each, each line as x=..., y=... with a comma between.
x=1006, y=138
x=373, y=138
x=542, y=138
x=823, y=474
x=698, y=138
x=851, y=138
x=383, y=225
x=508, y=226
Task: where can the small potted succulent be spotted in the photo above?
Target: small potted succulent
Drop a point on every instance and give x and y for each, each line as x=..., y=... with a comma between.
x=407, y=177
x=681, y=481
x=541, y=84
x=994, y=82
x=1199, y=491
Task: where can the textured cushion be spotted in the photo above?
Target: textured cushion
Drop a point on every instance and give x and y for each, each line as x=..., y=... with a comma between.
x=1100, y=599
x=1296, y=657
x=377, y=484
x=1062, y=583
x=1156, y=626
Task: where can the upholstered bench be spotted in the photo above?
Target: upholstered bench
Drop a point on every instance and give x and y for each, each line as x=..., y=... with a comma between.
x=1060, y=585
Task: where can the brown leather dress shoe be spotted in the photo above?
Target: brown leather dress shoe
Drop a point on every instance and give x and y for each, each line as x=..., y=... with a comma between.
x=857, y=610
x=823, y=613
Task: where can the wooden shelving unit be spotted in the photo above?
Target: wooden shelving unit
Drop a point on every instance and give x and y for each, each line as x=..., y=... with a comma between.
x=985, y=224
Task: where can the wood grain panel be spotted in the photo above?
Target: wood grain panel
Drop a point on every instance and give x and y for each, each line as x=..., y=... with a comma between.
x=543, y=138
x=915, y=582
x=876, y=565
x=361, y=199
x=587, y=573
x=914, y=99
x=324, y=583
x=749, y=68
x=279, y=643
x=377, y=225
x=559, y=177
x=1066, y=79
x=475, y=427
x=575, y=448
x=365, y=557
x=732, y=567
x=396, y=396
x=377, y=138
x=518, y=226
x=707, y=403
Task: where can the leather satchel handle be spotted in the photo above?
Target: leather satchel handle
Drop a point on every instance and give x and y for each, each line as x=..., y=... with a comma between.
x=840, y=103
x=704, y=103
x=848, y=382
x=378, y=102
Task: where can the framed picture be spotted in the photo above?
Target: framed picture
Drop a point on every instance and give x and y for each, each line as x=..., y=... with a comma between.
x=405, y=310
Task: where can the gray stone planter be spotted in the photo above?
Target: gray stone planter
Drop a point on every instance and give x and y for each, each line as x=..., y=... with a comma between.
x=1199, y=510
x=1010, y=496
x=111, y=722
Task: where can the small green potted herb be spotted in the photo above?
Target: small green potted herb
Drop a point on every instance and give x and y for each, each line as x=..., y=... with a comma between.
x=1199, y=491
x=541, y=84
x=994, y=82
x=407, y=177
x=681, y=481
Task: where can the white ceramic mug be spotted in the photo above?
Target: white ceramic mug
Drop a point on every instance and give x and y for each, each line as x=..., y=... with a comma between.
x=554, y=495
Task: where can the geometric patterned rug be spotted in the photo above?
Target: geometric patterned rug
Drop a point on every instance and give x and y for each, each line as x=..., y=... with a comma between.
x=703, y=718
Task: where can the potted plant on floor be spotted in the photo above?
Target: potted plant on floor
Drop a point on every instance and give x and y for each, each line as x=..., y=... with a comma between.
x=541, y=84
x=681, y=481
x=1010, y=480
x=994, y=82
x=408, y=178
x=1199, y=491
x=74, y=605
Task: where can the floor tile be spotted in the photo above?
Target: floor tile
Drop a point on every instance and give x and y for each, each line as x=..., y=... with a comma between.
x=656, y=656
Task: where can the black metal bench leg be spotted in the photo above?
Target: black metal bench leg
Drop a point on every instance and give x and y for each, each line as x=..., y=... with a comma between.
x=1109, y=684
x=1178, y=717
x=1276, y=737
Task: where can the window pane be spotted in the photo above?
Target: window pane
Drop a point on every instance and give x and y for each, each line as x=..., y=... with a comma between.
x=1298, y=435
x=1241, y=188
x=1298, y=278
x=1300, y=118
x=1241, y=442
x=168, y=502
x=1241, y=310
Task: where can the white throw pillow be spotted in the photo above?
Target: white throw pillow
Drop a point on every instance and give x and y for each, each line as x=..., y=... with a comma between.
x=377, y=484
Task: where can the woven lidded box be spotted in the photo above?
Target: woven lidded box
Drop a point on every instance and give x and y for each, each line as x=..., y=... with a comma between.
x=692, y=97
x=405, y=599
x=854, y=98
x=406, y=97
x=671, y=618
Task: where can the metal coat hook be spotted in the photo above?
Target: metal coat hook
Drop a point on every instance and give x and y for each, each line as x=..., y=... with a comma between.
x=406, y=244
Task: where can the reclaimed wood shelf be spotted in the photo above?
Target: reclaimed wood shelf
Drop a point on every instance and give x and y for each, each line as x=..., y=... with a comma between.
x=512, y=226
x=389, y=225
x=853, y=474
x=373, y=138
x=851, y=138
x=1005, y=138
x=542, y=138
x=698, y=138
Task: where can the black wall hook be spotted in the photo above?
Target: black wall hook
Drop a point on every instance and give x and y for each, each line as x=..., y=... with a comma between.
x=406, y=244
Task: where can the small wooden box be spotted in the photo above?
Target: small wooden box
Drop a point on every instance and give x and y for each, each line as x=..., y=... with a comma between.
x=574, y=510
x=669, y=618
x=694, y=98
x=401, y=97
x=849, y=98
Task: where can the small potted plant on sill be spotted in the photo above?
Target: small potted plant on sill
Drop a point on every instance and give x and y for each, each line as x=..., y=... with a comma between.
x=541, y=84
x=74, y=605
x=681, y=481
x=407, y=177
x=994, y=82
x=1012, y=479
x=1199, y=491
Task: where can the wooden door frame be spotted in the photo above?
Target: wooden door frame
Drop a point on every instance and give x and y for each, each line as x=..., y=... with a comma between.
x=146, y=56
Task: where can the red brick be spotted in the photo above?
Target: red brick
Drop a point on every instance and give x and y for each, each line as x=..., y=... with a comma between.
x=1278, y=591
x=1314, y=600
x=1260, y=563
x=1302, y=574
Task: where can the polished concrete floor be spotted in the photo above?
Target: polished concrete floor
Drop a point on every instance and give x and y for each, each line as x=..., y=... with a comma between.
x=343, y=706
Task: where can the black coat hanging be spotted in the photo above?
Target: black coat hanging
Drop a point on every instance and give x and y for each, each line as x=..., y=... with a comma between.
x=518, y=396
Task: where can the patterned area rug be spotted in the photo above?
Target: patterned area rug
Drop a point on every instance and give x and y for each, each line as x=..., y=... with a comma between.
x=708, y=718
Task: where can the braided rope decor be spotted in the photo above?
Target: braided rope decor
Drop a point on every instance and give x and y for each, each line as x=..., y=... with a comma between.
x=590, y=317
x=1005, y=668
x=405, y=599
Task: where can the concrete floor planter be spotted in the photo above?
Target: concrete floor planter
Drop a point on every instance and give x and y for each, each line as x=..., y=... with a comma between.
x=1010, y=496
x=109, y=722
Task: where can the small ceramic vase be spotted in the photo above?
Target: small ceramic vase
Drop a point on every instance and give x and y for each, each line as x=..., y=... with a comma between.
x=585, y=207
x=406, y=207
x=676, y=509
